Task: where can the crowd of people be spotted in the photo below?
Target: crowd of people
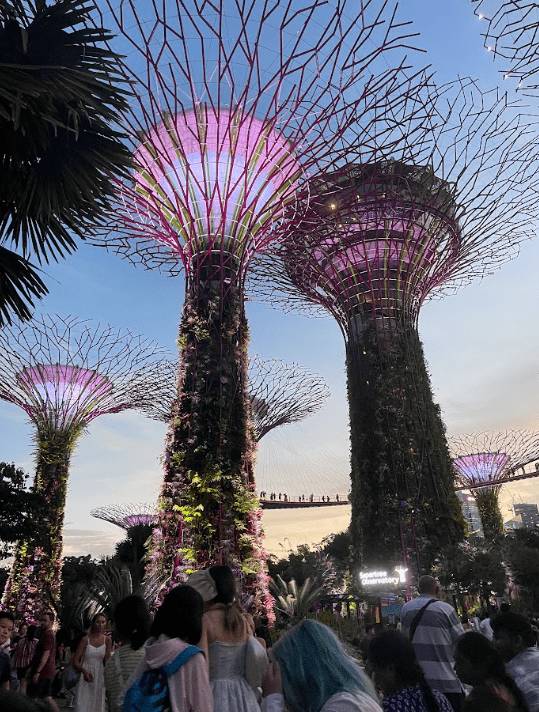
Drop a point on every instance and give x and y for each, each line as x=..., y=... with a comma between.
x=283, y=497
x=203, y=653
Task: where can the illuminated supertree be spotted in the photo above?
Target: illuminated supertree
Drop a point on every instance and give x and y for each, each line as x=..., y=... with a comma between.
x=379, y=237
x=126, y=516
x=63, y=373
x=512, y=34
x=279, y=393
x=483, y=462
x=236, y=105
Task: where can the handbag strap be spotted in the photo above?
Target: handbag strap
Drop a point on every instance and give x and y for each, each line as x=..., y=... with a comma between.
x=418, y=616
x=180, y=659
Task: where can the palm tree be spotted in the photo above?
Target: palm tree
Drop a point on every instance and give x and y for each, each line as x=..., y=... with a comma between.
x=60, y=101
x=296, y=601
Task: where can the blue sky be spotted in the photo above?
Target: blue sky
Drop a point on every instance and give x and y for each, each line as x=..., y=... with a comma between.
x=481, y=346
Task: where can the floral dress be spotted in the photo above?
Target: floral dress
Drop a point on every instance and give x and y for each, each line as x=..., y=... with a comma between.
x=411, y=699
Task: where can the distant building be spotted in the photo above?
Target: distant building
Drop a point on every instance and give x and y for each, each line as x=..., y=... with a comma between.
x=529, y=514
x=470, y=514
x=515, y=523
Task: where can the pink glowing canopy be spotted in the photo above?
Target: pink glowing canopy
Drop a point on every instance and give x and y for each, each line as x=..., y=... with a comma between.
x=214, y=178
x=382, y=235
x=68, y=395
x=482, y=469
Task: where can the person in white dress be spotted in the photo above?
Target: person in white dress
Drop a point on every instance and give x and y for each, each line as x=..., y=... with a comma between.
x=228, y=642
x=313, y=673
x=90, y=657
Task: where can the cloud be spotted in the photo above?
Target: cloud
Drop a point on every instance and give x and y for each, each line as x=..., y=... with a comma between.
x=80, y=542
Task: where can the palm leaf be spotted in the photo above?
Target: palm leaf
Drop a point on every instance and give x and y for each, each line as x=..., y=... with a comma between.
x=112, y=584
x=60, y=98
x=20, y=284
x=293, y=601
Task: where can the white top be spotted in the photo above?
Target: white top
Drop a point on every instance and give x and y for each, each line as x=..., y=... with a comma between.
x=486, y=629
x=340, y=702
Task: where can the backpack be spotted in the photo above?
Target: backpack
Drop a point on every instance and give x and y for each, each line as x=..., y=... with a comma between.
x=150, y=691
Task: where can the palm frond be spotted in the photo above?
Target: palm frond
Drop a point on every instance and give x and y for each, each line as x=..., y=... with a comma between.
x=20, y=284
x=111, y=585
x=295, y=602
x=61, y=98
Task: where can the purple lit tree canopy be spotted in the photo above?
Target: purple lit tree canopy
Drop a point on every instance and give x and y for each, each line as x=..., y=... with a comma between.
x=226, y=128
x=404, y=223
x=481, y=469
x=126, y=516
x=63, y=373
x=483, y=462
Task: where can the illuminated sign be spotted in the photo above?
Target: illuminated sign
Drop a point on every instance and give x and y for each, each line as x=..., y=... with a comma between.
x=381, y=578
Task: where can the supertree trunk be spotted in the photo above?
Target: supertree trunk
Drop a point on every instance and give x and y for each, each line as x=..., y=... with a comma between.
x=209, y=513
x=403, y=501
x=489, y=511
x=35, y=579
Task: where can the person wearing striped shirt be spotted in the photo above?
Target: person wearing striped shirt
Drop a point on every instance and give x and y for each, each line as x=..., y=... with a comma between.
x=433, y=627
x=515, y=640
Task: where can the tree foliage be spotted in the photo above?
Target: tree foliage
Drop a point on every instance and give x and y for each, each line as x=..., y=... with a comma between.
x=60, y=95
x=131, y=551
x=20, y=510
x=522, y=556
x=294, y=602
x=302, y=564
x=467, y=568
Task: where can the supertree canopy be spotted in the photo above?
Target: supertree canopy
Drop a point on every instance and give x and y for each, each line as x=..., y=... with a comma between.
x=282, y=393
x=237, y=104
x=483, y=462
x=396, y=226
x=126, y=516
x=279, y=393
x=63, y=373
x=512, y=34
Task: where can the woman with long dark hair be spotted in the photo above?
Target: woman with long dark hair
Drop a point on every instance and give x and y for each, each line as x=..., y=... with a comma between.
x=397, y=673
x=479, y=664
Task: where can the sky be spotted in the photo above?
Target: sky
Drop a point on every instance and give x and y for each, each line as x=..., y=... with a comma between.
x=481, y=347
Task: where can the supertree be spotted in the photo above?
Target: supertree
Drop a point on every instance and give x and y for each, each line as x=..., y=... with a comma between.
x=396, y=226
x=236, y=104
x=279, y=393
x=483, y=462
x=138, y=521
x=512, y=34
x=282, y=393
x=126, y=516
x=63, y=372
